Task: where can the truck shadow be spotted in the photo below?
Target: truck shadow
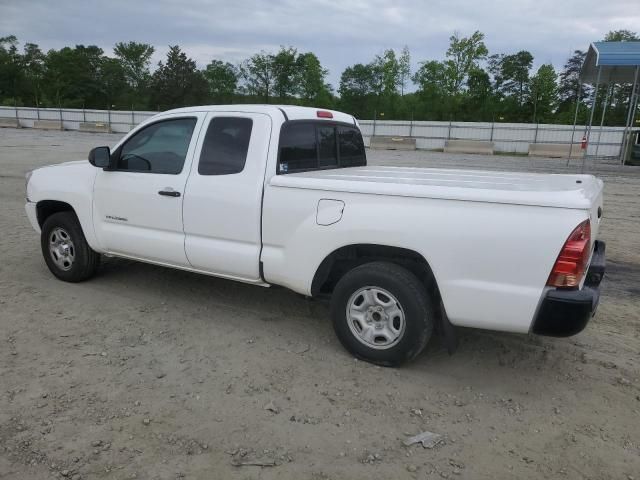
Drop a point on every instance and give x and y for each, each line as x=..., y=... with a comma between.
x=260, y=310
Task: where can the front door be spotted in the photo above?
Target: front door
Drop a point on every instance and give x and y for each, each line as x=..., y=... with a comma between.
x=137, y=207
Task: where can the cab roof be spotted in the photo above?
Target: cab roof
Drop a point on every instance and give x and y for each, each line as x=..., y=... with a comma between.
x=287, y=112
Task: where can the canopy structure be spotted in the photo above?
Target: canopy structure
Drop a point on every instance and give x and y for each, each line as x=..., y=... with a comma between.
x=615, y=61
x=610, y=63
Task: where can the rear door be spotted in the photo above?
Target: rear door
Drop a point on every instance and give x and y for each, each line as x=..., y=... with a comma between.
x=137, y=205
x=223, y=201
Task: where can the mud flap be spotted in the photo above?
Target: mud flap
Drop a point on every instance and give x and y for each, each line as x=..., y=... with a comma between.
x=447, y=331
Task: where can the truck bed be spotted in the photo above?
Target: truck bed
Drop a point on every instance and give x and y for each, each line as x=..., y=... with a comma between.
x=561, y=191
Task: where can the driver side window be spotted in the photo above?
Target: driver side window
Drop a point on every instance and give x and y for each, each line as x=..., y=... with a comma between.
x=159, y=148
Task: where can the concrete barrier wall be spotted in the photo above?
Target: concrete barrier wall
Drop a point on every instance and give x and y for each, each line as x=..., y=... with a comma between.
x=392, y=143
x=555, y=150
x=9, y=122
x=483, y=147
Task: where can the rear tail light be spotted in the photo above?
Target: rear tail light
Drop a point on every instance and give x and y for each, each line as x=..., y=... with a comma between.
x=324, y=114
x=572, y=261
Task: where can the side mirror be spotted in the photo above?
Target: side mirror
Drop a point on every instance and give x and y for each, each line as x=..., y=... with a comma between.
x=100, y=157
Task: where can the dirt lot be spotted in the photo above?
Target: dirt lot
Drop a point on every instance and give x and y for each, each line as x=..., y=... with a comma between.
x=152, y=373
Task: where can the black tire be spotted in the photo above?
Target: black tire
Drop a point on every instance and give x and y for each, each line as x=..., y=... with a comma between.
x=85, y=260
x=410, y=294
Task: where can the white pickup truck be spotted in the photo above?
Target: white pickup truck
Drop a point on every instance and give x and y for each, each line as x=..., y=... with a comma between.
x=283, y=196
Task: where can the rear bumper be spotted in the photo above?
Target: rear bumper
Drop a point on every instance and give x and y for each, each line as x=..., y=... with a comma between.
x=563, y=313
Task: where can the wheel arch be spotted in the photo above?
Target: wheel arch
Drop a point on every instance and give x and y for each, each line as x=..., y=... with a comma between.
x=46, y=208
x=347, y=257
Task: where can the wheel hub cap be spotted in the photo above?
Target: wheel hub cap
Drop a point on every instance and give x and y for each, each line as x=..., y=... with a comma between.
x=375, y=317
x=61, y=248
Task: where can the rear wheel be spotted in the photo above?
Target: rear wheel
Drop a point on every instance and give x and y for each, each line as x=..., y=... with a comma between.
x=65, y=249
x=382, y=314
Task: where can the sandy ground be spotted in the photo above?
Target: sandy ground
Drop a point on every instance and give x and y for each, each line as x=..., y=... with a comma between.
x=152, y=373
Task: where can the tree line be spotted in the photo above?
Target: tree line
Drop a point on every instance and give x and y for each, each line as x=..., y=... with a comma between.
x=470, y=84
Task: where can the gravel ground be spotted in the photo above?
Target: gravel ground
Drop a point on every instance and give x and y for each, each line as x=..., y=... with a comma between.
x=151, y=373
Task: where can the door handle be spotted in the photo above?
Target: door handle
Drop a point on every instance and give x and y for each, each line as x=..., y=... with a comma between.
x=169, y=193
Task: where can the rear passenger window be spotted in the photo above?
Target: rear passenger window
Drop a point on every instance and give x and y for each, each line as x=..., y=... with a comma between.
x=327, y=150
x=308, y=145
x=298, y=147
x=225, y=146
x=351, y=148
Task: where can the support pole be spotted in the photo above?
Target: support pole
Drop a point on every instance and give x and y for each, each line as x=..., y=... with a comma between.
x=411, y=126
x=375, y=115
x=604, y=111
x=575, y=119
x=630, y=117
x=634, y=109
x=593, y=109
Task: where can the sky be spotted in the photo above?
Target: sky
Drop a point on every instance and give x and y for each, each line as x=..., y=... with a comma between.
x=340, y=32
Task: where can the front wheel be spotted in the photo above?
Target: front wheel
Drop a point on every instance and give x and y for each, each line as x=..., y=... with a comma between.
x=382, y=313
x=65, y=249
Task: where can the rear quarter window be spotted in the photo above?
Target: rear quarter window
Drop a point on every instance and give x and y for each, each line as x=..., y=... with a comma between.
x=309, y=145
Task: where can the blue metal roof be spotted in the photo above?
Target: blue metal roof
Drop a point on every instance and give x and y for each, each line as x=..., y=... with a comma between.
x=617, y=60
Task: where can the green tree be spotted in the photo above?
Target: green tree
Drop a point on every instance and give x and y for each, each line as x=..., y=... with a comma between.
x=359, y=90
x=113, y=82
x=463, y=55
x=479, y=98
x=258, y=74
x=621, y=36
x=404, y=64
x=543, y=96
x=511, y=80
x=511, y=74
x=33, y=64
x=433, y=90
x=285, y=73
x=387, y=70
x=135, y=59
x=72, y=77
x=10, y=69
x=222, y=78
x=312, y=88
x=178, y=82
x=569, y=80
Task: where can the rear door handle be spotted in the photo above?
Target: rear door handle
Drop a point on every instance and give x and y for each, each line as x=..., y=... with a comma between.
x=169, y=193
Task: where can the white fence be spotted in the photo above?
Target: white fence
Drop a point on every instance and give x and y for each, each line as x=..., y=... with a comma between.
x=507, y=137
x=119, y=121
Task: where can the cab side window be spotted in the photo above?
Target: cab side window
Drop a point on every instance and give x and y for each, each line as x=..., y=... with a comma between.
x=225, y=146
x=159, y=148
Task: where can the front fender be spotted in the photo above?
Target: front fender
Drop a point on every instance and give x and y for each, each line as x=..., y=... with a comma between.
x=70, y=183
